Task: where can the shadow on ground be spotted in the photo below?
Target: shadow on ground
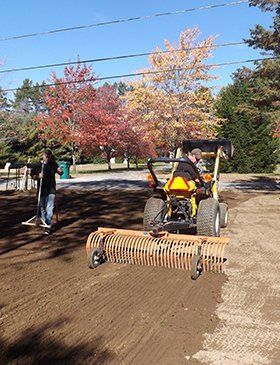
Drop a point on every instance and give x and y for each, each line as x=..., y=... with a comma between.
x=80, y=212
x=104, y=184
x=257, y=183
x=39, y=347
x=121, y=169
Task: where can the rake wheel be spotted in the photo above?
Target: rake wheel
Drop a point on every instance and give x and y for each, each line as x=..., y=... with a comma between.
x=196, y=267
x=95, y=258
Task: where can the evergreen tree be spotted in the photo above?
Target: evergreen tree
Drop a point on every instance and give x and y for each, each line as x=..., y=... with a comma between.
x=267, y=39
x=28, y=98
x=267, y=73
x=250, y=107
x=4, y=104
x=248, y=125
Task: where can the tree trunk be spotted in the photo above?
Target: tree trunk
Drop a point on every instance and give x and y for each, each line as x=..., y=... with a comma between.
x=24, y=179
x=128, y=162
x=73, y=158
x=109, y=161
x=136, y=163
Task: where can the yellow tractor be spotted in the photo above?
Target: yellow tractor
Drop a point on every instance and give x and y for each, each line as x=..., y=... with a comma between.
x=187, y=200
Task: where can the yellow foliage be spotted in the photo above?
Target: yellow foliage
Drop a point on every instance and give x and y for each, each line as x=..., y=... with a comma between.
x=174, y=98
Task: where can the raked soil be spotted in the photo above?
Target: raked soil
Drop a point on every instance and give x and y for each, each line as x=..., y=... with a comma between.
x=54, y=310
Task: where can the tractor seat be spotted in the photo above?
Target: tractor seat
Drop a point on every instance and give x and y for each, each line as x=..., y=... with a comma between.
x=187, y=169
x=180, y=187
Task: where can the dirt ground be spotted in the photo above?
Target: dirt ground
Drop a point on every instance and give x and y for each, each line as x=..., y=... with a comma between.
x=54, y=310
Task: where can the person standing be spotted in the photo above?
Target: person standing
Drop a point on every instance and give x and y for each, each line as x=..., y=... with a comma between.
x=47, y=174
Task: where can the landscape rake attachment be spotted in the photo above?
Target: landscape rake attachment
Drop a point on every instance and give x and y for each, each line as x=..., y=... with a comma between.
x=194, y=253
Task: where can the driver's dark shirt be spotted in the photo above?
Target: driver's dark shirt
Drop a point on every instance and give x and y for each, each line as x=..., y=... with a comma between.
x=186, y=170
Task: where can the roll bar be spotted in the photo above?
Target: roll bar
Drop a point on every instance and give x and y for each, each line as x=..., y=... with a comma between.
x=151, y=161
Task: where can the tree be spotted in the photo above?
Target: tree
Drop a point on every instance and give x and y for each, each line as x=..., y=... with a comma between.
x=102, y=126
x=267, y=39
x=248, y=126
x=69, y=103
x=174, y=96
x=122, y=88
x=267, y=87
x=19, y=138
x=135, y=138
x=4, y=104
x=28, y=97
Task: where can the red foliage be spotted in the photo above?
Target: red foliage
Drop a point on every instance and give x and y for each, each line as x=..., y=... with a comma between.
x=135, y=136
x=103, y=122
x=91, y=119
x=68, y=104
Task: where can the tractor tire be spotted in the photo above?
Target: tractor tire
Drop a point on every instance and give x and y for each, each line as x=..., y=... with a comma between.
x=224, y=215
x=208, y=218
x=153, y=211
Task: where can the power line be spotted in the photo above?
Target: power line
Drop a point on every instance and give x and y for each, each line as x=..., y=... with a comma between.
x=133, y=55
x=119, y=21
x=95, y=79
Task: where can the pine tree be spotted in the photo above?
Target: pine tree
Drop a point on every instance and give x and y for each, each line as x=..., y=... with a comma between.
x=28, y=98
x=247, y=125
x=267, y=73
x=250, y=107
x=267, y=39
x=4, y=104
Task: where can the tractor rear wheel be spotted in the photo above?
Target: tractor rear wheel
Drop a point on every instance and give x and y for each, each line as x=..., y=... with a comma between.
x=224, y=215
x=154, y=211
x=208, y=218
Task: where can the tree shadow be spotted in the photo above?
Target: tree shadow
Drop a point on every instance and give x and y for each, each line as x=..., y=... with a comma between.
x=105, y=184
x=257, y=183
x=114, y=170
x=81, y=212
x=40, y=347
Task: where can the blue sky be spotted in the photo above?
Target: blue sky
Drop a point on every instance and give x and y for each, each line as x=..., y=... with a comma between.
x=20, y=17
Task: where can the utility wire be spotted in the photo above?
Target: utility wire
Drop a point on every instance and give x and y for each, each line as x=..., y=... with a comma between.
x=95, y=79
x=117, y=57
x=118, y=21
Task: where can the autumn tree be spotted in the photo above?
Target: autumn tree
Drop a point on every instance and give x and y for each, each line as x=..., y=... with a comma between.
x=103, y=123
x=68, y=102
x=136, y=141
x=173, y=95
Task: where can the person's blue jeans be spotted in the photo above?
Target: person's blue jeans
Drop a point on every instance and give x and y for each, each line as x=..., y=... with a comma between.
x=47, y=206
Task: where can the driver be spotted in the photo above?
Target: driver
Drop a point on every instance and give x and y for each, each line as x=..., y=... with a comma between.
x=191, y=170
x=196, y=157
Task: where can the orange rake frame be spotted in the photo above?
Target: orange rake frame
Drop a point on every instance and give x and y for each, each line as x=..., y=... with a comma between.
x=165, y=249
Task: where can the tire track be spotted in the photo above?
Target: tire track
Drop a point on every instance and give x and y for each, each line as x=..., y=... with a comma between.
x=246, y=334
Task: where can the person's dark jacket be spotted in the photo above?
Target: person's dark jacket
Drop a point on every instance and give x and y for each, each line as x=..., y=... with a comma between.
x=187, y=170
x=48, y=181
